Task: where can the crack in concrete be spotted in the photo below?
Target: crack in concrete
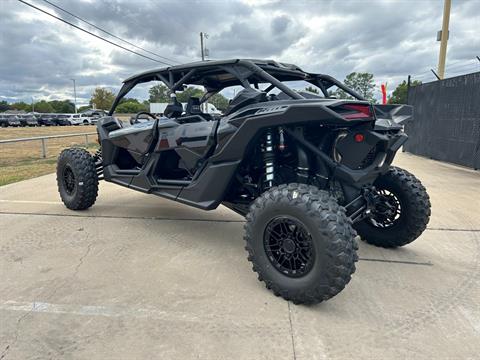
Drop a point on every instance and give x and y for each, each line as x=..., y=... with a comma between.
x=291, y=330
x=54, y=291
x=452, y=229
x=397, y=261
x=17, y=331
x=183, y=219
x=125, y=217
x=82, y=258
x=5, y=352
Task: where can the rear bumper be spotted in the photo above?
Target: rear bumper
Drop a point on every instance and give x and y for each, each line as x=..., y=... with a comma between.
x=358, y=177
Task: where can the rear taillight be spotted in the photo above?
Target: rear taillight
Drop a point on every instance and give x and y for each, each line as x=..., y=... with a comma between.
x=355, y=111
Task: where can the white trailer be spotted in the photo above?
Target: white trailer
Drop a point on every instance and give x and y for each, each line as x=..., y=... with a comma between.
x=159, y=108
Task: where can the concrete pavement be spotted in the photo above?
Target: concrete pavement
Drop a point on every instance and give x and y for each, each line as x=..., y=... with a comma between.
x=138, y=277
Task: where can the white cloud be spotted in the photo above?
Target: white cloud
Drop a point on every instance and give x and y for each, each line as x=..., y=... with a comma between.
x=392, y=39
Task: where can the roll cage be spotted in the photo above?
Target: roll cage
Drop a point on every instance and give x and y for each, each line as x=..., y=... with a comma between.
x=215, y=76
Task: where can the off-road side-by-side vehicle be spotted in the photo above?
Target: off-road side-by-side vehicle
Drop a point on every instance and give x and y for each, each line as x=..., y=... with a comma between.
x=307, y=170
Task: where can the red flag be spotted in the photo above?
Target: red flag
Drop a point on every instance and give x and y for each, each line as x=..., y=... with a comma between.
x=384, y=94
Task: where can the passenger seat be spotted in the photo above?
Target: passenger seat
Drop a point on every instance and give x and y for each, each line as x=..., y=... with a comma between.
x=194, y=108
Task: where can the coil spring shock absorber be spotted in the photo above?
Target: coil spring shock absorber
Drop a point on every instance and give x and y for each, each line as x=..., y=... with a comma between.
x=98, y=163
x=268, y=155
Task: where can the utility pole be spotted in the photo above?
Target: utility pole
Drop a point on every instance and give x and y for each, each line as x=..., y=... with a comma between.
x=202, y=46
x=33, y=105
x=444, y=38
x=409, y=84
x=204, y=50
x=75, y=94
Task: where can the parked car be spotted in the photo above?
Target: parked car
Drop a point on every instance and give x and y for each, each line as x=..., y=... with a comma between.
x=307, y=173
x=86, y=119
x=74, y=119
x=28, y=120
x=45, y=120
x=92, y=116
x=9, y=120
x=60, y=119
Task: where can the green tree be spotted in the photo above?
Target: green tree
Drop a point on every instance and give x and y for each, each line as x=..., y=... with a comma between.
x=4, y=106
x=312, y=89
x=130, y=107
x=62, y=106
x=44, y=107
x=21, y=106
x=83, y=108
x=188, y=93
x=219, y=101
x=102, y=98
x=124, y=100
x=399, y=95
x=363, y=83
x=159, y=94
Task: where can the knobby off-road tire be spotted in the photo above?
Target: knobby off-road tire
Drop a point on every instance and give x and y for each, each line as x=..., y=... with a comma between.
x=332, y=242
x=77, y=178
x=414, y=211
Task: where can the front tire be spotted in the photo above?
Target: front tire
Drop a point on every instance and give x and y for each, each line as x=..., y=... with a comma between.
x=300, y=243
x=404, y=215
x=77, y=178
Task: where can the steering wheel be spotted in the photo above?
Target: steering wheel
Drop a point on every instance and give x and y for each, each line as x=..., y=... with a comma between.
x=135, y=120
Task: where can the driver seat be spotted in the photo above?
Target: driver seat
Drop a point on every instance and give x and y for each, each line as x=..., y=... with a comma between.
x=193, y=108
x=174, y=109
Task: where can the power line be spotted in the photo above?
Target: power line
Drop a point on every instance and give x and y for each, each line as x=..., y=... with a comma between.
x=463, y=66
x=107, y=32
x=90, y=33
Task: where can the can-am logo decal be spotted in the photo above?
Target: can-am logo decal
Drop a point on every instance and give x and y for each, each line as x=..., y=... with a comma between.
x=270, y=110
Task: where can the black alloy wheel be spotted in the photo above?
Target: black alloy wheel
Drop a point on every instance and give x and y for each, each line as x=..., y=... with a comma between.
x=289, y=246
x=300, y=243
x=388, y=210
x=69, y=180
x=402, y=210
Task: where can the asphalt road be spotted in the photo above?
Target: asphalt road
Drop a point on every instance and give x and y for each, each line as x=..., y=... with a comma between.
x=141, y=277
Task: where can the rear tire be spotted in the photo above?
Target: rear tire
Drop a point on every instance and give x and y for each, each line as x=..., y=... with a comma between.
x=316, y=255
x=77, y=178
x=414, y=211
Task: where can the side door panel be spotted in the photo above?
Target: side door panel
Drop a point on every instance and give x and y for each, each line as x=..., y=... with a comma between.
x=192, y=142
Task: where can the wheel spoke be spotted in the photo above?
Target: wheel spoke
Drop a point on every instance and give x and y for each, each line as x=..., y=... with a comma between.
x=388, y=209
x=289, y=246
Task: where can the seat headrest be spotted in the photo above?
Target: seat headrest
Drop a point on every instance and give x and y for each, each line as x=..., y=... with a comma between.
x=245, y=97
x=174, y=109
x=193, y=106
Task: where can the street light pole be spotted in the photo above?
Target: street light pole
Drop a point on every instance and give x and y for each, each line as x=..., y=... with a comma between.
x=33, y=105
x=75, y=94
x=202, y=46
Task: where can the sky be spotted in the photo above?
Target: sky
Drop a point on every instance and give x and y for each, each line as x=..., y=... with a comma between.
x=40, y=55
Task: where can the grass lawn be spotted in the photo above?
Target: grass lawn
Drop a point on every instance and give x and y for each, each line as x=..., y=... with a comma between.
x=23, y=160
